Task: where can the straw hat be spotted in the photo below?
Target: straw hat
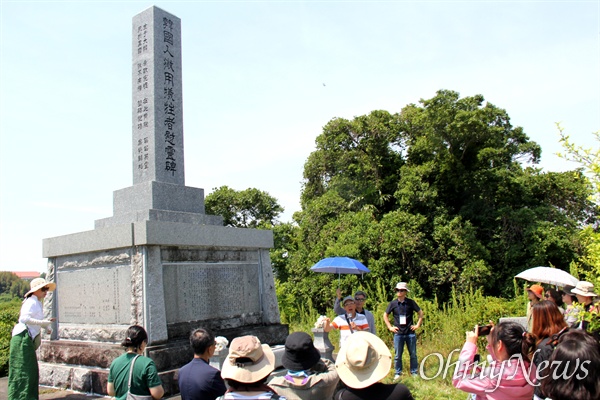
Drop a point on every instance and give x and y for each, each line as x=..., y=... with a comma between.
x=363, y=360
x=248, y=361
x=584, y=288
x=38, y=283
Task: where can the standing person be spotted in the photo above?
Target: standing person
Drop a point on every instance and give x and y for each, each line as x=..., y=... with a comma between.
x=584, y=291
x=509, y=376
x=309, y=376
x=348, y=323
x=575, y=368
x=534, y=294
x=362, y=363
x=570, y=310
x=556, y=296
x=198, y=380
x=246, y=369
x=403, y=309
x=144, y=376
x=359, y=298
x=23, y=373
x=548, y=325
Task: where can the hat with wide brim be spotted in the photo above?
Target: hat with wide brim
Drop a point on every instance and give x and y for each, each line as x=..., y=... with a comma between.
x=300, y=352
x=38, y=283
x=584, y=288
x=248, y=360
x=363, y=360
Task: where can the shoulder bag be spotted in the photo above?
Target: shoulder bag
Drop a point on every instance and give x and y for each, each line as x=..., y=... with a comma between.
x=131, y=396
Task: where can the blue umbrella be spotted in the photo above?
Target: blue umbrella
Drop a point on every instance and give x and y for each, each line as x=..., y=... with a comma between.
x=340, y=265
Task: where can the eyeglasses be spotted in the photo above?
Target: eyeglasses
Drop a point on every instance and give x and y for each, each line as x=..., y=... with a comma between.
x=401, y=290
x=357, y=299
x=546, y=295
x=45, y=289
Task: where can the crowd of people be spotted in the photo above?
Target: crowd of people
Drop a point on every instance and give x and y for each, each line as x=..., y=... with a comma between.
x=552, y=358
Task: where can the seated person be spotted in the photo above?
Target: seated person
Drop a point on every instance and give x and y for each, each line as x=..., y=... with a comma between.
x=309, y=376
x=362, y=362
x=246, y=369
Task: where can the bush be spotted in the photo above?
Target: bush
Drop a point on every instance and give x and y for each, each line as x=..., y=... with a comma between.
x=443, y=328
x=9, y=314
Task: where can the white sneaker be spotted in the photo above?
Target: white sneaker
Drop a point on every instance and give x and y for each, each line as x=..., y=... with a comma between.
x=396, y=377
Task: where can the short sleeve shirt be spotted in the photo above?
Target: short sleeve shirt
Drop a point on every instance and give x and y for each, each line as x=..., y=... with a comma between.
x=408, y=307
x=340, y=323
x=145, y=375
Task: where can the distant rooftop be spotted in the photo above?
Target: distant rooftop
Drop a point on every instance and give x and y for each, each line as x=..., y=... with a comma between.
x=27, y=275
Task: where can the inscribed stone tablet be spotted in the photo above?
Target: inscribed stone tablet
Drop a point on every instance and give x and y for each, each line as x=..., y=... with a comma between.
x=95, y=295
x=201, y=291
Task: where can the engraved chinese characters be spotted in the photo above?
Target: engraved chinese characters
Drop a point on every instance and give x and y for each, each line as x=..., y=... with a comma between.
x=210, y=291
x=157, y=98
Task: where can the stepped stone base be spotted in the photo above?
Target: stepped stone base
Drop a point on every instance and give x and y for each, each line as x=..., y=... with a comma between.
x=83, y=366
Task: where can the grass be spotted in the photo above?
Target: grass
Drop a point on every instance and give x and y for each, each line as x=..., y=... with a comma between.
x=443, y=331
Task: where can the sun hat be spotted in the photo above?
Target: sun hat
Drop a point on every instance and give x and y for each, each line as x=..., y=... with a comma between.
x=38, y=283
x=258, y=360
x=363, y=360
x=346, y=299
x=537, y=290
x=300, y=352
x=402, y=285
x=568, y=289
x=584, y=288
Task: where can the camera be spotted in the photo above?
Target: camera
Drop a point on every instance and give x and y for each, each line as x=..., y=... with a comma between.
x=484, y=330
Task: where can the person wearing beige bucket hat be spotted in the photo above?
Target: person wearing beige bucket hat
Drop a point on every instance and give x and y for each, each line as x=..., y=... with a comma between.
x=23, y=374
x=362, y=363
x=584, y=291
x=246, y=369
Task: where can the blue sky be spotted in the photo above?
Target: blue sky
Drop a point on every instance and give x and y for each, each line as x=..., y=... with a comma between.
x=260, y=80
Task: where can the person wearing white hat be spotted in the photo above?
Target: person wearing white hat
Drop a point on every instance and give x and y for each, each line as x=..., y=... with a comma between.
x=403, y=309
x=246, y=369
x=23, y=373
x=362, y=363
x=584, y=291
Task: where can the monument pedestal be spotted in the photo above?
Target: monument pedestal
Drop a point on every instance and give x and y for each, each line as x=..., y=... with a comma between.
x=168, y=277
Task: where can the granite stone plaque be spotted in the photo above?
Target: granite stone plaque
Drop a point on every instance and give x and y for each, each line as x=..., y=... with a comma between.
x=200, y=291
x=95, y=295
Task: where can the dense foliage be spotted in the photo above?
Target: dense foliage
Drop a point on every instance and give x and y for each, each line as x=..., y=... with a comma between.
x=250, y=208
x=9, y=314
x=11, y=285
x=443, y=193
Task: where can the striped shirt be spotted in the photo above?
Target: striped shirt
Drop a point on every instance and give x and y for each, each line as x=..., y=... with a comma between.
x=340, y=323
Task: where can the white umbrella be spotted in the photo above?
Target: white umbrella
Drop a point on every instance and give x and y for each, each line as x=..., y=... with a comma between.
x=551, y=276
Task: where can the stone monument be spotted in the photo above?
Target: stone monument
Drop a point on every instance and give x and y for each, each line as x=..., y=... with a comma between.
x=159, y=261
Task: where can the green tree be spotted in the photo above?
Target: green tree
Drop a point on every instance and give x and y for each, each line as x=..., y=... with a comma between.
x=12, y=285
x=250, y=208
x=587, y=267
x=437, y=193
